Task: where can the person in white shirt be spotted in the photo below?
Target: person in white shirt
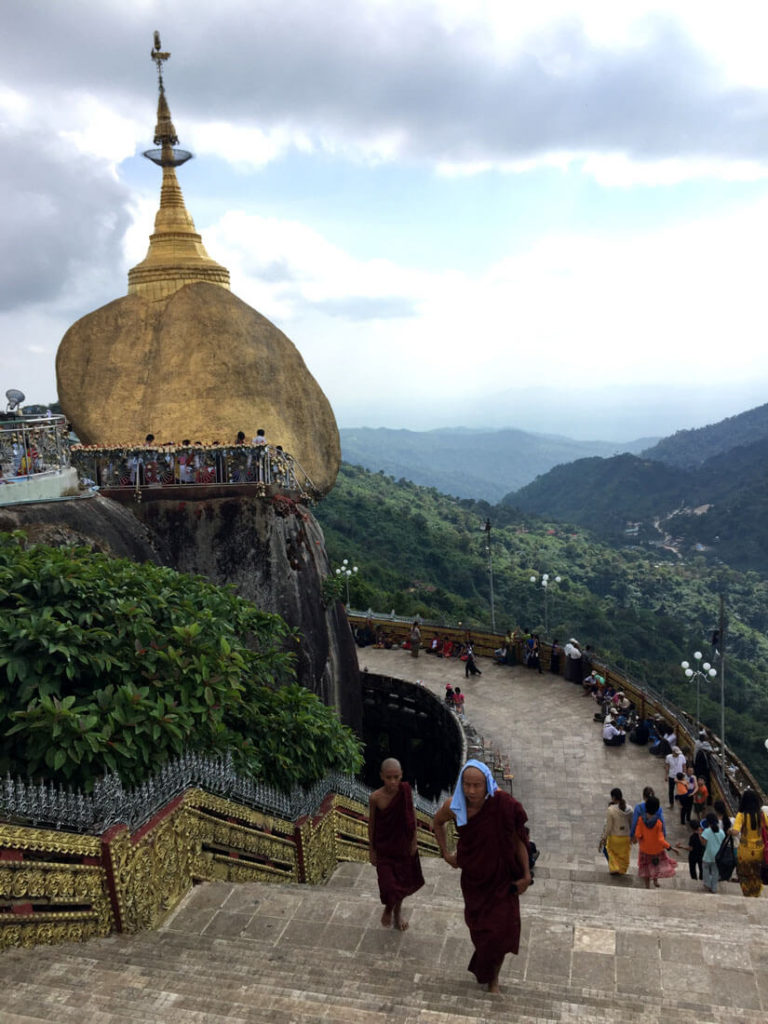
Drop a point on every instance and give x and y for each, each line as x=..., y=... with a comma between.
x=612, y=737
x=675, y=762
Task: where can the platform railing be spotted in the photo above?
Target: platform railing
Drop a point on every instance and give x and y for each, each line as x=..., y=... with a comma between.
x=264, y=468
x=31, y=445
x=730, y=782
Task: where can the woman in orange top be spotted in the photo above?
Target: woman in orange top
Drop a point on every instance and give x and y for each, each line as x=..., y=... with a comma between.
x=653, y=861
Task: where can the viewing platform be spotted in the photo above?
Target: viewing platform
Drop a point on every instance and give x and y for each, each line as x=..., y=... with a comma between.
x=192, y=471
x=594, y=947
x=34, y=459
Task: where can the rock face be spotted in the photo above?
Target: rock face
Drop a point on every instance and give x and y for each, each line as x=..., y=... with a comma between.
x=200, y=364
x=273, y=553
x=93, y=522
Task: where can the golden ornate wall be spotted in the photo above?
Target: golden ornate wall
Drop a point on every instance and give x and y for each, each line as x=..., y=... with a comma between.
x=59, y=887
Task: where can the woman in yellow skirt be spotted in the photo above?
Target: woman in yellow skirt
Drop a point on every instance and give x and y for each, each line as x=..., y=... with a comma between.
x=750, y=856
x=615, y=838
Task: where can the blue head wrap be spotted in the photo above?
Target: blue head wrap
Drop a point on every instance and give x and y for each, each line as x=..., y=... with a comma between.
x=459, y=801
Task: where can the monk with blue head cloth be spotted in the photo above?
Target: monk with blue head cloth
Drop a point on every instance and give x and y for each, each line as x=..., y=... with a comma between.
x=492, y=853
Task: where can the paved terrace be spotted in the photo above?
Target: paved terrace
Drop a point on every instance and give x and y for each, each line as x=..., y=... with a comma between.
x=594, y=948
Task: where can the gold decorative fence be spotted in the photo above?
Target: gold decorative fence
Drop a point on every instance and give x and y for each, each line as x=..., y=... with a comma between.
x=57, y=886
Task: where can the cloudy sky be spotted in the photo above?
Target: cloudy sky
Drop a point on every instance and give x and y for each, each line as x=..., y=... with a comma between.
x=546, y=215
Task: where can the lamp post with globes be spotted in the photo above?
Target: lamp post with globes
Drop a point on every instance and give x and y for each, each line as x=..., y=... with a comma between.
x=345, y=572
x=706, y=671
x=546, y=582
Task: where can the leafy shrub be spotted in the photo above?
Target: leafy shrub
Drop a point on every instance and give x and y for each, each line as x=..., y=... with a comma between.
x=105, y=664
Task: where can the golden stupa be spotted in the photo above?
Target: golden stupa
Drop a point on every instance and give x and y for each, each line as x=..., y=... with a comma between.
x=181, y=357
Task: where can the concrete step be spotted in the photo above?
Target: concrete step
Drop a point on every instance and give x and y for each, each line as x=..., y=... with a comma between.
x=264, y=953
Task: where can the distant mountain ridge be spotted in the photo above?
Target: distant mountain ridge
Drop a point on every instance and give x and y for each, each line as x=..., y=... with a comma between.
x=468, y=463
x=691, y=448
x=708, y=495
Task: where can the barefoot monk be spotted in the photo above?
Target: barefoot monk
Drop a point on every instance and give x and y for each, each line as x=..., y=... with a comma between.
x=392, y=845
x=492, y=853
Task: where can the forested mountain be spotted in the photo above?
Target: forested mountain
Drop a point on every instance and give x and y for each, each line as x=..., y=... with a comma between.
x=421, y=552
x=606, y=495
x=731, y=522
x=477, y=464
x=691, y=448
x=719, y=509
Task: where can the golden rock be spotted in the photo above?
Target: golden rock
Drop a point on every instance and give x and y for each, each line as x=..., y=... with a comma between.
x=181, y=357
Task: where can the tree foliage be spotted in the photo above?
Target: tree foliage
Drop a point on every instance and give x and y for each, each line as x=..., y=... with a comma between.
x=421, y=552
x=106, y=664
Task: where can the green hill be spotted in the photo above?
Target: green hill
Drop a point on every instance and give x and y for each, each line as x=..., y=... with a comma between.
x=691, y=448
x=606, y=495
x=421, y=552
x=468, y=463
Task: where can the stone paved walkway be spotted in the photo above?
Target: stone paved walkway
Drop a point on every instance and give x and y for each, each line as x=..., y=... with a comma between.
x=563, y=771
x=594, y=948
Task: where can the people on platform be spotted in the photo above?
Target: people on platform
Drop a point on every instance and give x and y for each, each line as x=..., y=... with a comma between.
x=695, y=850
x=415, y=639
x=653, y=861
x=470, y=665
x=685, y=791
x=674, y=763
x=573, y=666
x=615, y=839
x=712, y=836
x=701, y=798
x=554, y=657
x=392, y=843
x=458, y=702
x=640, y=733
x=494, y=859
x=641, y=810
x=748, y=825
x=612, y=735
x=702, y=752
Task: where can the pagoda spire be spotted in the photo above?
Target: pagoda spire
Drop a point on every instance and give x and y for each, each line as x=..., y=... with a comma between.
x=176, y=254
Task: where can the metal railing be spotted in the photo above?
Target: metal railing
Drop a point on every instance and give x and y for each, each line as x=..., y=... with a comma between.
x=50, y=804
x=31, y=445
x=732, y=781
x=160, y=466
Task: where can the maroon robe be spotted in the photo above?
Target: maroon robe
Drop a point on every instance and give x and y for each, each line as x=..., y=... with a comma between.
x=488, y=857
x=398, y=869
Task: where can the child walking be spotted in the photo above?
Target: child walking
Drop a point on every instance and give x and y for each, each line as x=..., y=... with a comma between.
x=695, y=849
x=712, y=837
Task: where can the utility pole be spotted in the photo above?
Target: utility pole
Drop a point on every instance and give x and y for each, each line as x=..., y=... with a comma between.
x=721, y=648
x=490, y=570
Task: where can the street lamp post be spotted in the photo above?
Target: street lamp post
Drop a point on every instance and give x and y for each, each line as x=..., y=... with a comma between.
x=546, y=582
x=345, y=572
x=487, y=529
x=706, y=671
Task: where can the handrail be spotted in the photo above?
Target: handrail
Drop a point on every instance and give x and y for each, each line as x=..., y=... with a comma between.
x=31, y=445
x=149, y=466
x=737, y=775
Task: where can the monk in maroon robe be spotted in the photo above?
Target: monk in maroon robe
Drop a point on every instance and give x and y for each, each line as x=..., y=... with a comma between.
x=492, y=853
x=392, y=843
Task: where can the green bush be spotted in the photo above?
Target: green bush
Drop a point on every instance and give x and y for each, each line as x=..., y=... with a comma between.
x=105, y=664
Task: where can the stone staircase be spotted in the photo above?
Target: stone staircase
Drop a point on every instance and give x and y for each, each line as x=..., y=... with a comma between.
x=593, y=949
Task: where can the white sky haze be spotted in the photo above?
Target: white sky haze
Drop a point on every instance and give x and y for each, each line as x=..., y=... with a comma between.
x=463, y=212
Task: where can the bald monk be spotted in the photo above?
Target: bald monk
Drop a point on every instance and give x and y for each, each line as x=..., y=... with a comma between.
x=492, y=853
x=392, y=845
